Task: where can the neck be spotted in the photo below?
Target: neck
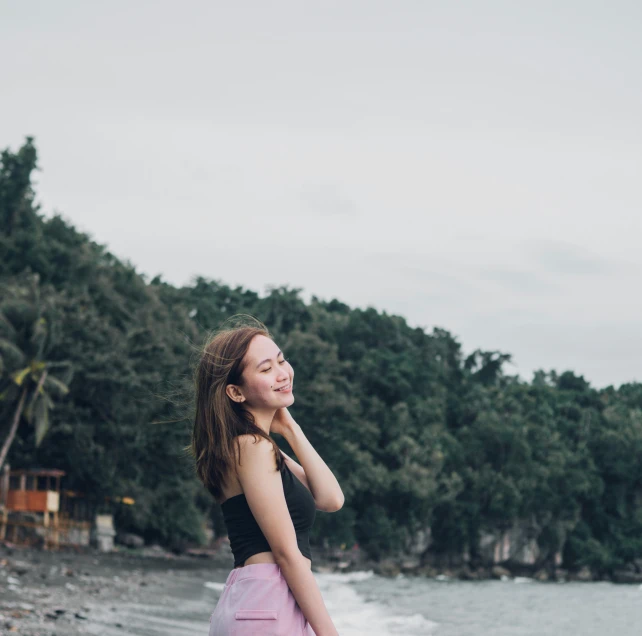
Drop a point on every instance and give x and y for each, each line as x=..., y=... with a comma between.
x=263, y=419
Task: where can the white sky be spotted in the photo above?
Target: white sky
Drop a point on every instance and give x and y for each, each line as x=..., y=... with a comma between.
x=469, y=165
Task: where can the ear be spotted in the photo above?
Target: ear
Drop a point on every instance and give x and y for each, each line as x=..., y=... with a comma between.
x=234, y=393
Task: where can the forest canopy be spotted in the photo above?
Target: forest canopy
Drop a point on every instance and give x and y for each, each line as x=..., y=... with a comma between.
x=422, y=438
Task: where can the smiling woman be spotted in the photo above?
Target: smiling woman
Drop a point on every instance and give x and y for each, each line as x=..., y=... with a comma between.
x=244, y=386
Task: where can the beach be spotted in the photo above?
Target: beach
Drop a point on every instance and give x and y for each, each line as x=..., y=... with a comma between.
x=65, y=592
x=150, y=592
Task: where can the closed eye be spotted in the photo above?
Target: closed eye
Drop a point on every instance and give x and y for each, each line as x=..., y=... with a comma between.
x=282, y=361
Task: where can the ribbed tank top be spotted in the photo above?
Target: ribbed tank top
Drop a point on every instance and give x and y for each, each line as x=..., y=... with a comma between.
x=244, y=533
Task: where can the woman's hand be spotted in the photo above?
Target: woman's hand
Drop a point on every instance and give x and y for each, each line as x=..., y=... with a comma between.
x=282, y=423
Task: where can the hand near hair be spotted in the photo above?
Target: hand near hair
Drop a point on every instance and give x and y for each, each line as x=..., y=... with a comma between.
x=282, y=423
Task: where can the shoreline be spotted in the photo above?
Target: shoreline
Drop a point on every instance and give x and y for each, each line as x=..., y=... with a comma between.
x=391, y=568
x=440, y=568
x=74, y=592
x=83, y=591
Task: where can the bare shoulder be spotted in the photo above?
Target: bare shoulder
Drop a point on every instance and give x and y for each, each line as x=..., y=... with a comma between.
x=250, y=443
x=249, y=439
x=257, y=451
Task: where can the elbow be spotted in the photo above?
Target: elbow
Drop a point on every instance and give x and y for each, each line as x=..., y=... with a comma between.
x=287, y=557
x=333, y=505
x=339, y=503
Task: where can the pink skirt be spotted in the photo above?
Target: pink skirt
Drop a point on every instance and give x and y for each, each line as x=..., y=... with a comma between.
x=257, y=600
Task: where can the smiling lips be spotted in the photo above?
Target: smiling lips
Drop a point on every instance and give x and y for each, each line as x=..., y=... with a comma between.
x=285, y=388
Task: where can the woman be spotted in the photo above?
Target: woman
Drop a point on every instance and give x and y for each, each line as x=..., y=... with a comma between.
x=244, y=387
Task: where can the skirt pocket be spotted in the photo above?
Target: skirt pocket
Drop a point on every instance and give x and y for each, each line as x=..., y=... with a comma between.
x=258, y=622
x=255, y=614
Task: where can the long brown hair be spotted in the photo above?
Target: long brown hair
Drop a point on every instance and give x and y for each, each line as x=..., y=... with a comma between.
x=218, y=420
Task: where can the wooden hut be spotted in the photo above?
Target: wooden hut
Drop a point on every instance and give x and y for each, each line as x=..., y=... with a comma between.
x=30, y=491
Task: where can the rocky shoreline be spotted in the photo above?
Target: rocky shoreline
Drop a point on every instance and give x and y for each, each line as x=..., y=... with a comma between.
x=63, y=592
x=351, y=561
x=69, y=592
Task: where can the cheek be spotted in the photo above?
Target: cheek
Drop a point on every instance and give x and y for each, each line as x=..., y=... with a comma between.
x=266, y=384
x=260, y=385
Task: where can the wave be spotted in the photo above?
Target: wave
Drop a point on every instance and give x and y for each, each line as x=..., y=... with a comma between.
x=219, y=587
x=348, y=577
x=353, y=615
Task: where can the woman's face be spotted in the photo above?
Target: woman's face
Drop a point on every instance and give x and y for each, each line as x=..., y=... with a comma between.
x=268, y=378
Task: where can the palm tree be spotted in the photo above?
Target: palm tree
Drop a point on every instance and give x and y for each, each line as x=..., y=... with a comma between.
x=26, y=378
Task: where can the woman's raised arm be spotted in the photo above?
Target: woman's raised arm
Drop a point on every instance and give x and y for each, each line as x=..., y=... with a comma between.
x=313, y=471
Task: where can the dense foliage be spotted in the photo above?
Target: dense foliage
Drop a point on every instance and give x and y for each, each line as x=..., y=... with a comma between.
x=420, y=436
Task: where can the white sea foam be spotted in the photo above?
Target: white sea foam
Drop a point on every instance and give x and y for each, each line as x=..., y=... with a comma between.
x=348, y=577
x=219, y=587
x=523, y=579
x=353, y=615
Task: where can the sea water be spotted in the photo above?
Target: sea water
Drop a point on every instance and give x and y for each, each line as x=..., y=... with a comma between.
x=363, y=603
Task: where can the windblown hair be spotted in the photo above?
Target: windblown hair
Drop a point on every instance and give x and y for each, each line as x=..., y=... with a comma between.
x=218, y=420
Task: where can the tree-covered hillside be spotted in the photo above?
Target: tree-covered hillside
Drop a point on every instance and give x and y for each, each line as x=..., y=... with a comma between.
x=436, y=452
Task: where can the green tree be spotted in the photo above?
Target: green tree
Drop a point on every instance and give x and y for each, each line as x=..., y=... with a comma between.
x=28, y=385
x=421, y=437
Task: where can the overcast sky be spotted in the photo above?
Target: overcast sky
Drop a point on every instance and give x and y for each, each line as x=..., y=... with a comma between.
x=475, y=166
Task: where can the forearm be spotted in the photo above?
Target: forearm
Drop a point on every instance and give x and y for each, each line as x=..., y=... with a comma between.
x=305, y=590
x=323, y=484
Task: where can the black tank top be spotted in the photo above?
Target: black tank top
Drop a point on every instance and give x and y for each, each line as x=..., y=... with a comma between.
x=245, y=533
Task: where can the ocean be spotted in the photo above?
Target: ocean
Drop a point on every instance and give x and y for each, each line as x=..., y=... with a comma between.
x=365, y=604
